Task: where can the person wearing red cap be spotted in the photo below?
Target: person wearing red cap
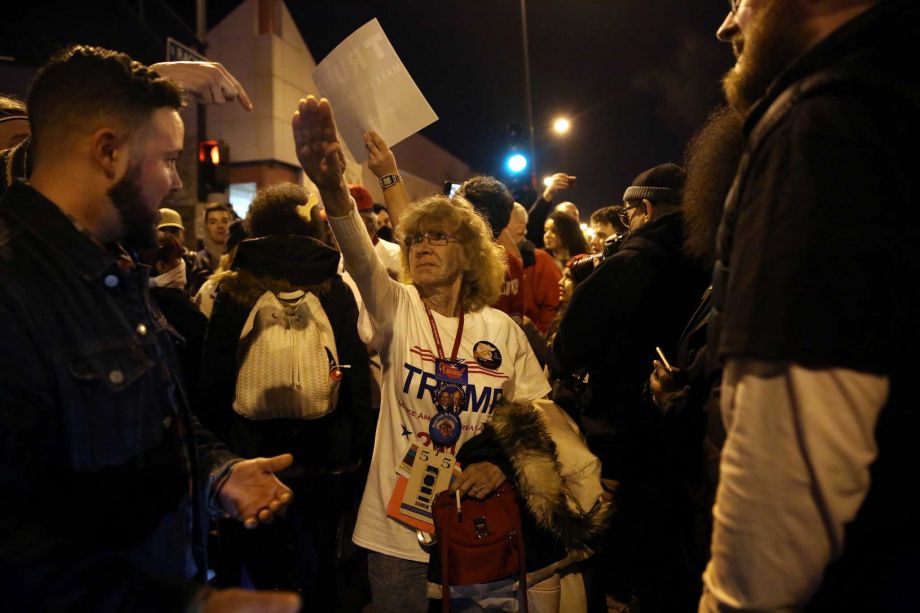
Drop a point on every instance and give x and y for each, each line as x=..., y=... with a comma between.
x=388, y=252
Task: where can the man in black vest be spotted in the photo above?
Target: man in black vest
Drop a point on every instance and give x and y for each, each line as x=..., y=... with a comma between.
x=816, y=310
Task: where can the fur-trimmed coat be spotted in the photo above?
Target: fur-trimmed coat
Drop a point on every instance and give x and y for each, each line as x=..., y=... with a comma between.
x=283, y=264
x=542, y=453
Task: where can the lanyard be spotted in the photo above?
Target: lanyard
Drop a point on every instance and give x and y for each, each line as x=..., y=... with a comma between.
x=437, y=337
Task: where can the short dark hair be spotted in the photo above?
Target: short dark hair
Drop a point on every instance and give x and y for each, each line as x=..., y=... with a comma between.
x=82, y=84
x=491, y=198
x=211, y=207
x=569, y=233
x=609, y=214
x=274, y=212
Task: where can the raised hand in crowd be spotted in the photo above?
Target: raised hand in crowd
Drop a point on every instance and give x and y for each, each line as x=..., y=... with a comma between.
x=253, y=494
x=382, y=163
x=380, y=159
x=209, y=82
x=560, y=181
x=320, y=152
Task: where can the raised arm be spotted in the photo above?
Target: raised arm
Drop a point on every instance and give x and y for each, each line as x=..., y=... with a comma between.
x=320, y=154
x=382, y=163
x=209, y=82
x=541, y=209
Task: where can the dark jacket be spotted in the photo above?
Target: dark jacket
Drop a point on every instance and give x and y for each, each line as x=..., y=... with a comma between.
x=638, y=299
x=190, y=323
x=536, y=217
x=98, y=450
x=818, y=264
x=285, y=263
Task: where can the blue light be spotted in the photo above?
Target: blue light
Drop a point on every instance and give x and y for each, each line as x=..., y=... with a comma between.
x=516, y=163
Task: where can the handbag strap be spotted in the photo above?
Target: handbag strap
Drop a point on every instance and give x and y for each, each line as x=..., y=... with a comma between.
x=514, y=511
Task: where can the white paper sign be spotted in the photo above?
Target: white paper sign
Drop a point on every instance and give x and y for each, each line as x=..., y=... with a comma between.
x=370, y=90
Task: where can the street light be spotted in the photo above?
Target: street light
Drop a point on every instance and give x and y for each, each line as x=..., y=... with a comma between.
x=561, y=125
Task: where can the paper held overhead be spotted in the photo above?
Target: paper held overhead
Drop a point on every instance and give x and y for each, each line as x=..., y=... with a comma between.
x=370, y=90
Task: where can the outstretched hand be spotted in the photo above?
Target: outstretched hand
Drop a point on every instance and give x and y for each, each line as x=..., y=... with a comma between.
x=209, y=82
x=380, y=159
x=318, y=149
x=253, y=494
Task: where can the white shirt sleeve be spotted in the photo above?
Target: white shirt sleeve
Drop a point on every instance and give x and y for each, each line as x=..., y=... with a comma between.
x=530, y=382
x=362, y=262
x=793, y=472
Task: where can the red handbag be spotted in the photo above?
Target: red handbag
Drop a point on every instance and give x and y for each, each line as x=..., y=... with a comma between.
x=480, y=544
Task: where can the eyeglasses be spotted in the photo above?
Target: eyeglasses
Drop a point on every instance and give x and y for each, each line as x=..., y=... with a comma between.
x=624, y=213
x=733, y=5
x=435, y=238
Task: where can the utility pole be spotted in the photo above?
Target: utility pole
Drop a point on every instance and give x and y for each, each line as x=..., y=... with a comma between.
x=527, y=94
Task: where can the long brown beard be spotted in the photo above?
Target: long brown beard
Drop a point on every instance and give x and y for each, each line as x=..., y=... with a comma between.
x=773, y=41
x=712, y=158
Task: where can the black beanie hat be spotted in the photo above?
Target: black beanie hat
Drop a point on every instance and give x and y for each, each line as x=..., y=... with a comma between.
x=663, y=183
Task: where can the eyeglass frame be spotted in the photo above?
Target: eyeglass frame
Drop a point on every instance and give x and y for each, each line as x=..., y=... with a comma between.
x=624, y=212
x=414, y=239
x=733, y=6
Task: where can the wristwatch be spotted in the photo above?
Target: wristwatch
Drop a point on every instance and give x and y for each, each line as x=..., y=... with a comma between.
x=389, y=180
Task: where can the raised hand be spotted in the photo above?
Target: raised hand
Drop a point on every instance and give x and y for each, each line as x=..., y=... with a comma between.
x=209, y=82
x=253, y=494
x=318, y=149
x=380, y=159
x=560, y=181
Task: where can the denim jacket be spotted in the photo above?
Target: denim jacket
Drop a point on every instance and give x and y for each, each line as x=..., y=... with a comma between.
x=105, y=474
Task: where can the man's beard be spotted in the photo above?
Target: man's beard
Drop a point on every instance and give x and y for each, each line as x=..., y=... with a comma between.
x=772, y=43
x=138, y=223
x=712, y=158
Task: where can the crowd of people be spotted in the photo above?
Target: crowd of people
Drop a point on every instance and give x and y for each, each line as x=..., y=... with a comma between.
x=699, y=394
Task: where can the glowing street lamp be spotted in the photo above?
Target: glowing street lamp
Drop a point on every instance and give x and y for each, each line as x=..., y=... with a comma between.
x=561, y=125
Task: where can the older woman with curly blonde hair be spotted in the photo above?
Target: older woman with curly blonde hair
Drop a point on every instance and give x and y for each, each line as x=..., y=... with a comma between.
x=435, y=333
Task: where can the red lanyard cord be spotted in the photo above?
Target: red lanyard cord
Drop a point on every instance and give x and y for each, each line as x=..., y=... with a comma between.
x=437, y=337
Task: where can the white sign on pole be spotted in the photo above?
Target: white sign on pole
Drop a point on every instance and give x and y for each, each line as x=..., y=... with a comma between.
x=370, y=90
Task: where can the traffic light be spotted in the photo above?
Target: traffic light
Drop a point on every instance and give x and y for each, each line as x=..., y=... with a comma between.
x=213, y=172
x=516, y=163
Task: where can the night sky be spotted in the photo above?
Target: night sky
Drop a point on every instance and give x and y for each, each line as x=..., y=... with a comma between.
x=636, y=76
